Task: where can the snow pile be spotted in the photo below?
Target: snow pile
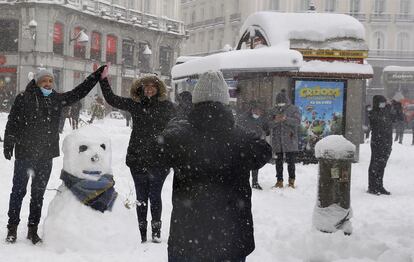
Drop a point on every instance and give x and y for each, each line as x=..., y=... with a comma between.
x=271, y=59
x=283, y=27
x=72, y=225
x=333, y=218
x=335, y=147
x=316, y=66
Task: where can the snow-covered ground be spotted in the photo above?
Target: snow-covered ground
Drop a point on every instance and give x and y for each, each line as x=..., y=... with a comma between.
x=383, y=225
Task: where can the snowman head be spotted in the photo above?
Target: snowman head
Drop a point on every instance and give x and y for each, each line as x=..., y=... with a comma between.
x=87, y=153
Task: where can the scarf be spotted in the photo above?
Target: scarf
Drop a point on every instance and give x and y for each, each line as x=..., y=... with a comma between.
x=99, y=195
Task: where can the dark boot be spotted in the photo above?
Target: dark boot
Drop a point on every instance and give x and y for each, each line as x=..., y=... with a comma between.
x=143, y=231
x=32, y=234
x=383, y=191
x=156, y=231
x=11, y=234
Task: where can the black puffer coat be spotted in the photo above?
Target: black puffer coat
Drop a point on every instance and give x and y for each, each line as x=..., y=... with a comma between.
x=211, y=218
x=381, y=120
x=33, y=124
x=149, y=118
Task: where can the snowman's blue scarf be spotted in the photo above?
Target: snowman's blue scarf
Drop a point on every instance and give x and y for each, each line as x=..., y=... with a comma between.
x=99, y=195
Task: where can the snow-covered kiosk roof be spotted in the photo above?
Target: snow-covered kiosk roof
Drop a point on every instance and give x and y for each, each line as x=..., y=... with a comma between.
x=269, y=59
x=307, y=30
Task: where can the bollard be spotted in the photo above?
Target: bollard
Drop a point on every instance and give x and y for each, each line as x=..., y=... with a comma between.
x=333, y=209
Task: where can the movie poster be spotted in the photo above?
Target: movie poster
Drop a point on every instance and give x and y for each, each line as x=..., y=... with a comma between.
x=321, y=104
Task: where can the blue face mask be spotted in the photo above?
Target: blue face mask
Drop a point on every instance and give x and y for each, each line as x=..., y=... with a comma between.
x=46, y=92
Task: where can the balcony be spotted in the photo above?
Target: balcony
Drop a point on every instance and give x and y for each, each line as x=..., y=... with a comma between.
x=206, y=23
x=390, y=54
x=360, y=16
x=404, y=18
x=380, y=17
x=236, y=17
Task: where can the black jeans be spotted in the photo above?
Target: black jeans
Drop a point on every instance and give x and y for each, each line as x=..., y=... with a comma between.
x=39, y=171
x=290, y=158
x=148, y=186
x=255, y=174
x=379, y=158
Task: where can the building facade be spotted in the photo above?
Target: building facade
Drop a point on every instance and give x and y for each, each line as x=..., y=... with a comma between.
x=51, y=34
x=389, y=26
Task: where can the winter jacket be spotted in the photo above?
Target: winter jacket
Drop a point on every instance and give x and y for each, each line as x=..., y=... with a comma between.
x=211, y=218
x=284, y=134
x=33, y=123
x=149, y=117
x=251, y=124
x=381, y=120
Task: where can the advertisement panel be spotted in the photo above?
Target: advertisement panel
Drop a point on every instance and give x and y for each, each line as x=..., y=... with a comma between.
x=322, y=105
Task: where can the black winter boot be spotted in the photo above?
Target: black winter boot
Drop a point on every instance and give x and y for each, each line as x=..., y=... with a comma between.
x=32, y=234
x=11, y=234
x=143, y=231
x=156, y=231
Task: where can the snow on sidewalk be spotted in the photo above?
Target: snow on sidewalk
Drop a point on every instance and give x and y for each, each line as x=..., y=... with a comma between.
x=383, y=225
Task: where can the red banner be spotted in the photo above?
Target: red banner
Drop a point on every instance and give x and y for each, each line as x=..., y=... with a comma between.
x=96, y=41
x=111, y=44
x=58, y=33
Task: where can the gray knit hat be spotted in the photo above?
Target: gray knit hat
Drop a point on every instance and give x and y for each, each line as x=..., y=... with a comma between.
x=42, y=72
x=211, y=87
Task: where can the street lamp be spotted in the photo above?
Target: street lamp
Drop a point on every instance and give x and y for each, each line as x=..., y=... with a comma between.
x=32, y=27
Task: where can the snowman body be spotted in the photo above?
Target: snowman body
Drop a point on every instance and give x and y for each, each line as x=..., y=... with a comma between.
x=73, y=224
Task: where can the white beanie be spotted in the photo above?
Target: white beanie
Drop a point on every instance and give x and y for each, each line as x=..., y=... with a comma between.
x=42, y=72
x=211, y=87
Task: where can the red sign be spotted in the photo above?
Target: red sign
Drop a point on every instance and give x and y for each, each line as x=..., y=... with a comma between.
x=96, y=41
x=58, y=33
x=111, y=44
x=8, y=70
x=3, y=59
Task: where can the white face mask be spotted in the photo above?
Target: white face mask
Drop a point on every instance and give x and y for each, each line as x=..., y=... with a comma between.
x=255, y=116
x=281, y=104
x=382, y=105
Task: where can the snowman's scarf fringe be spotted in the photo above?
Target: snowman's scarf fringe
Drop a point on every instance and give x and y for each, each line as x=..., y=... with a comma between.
x=99, y=195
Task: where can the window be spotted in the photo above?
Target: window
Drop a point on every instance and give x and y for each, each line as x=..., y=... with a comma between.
x=354, y=6
x=166, y=54
x=111, y=46
x=378, y=40
x=144, y=61
x=9, y=32
x=379, y=6
x=128, y=52
x=405, y=6
x=202, y=14
x=403, y=42
x=79, y=49
x=147, y=6
x=274, y=5
x=58, y=34
x=330, y=5
x=96, y=46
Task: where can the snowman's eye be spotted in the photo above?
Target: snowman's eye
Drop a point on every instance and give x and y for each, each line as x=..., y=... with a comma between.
x=103, y=146
x=83, y=148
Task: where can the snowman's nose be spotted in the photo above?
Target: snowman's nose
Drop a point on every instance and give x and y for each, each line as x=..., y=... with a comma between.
x=95, y=158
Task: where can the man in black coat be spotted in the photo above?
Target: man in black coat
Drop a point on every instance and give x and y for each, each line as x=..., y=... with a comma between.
x=380, y=119
x=32, y=132
x=211, y=218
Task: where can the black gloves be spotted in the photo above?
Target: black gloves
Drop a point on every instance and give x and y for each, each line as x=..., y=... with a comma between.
x=8, y=150
x=97, y=74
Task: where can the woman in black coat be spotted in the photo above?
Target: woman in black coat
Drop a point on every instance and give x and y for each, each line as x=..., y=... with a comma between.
x=380, y=119
x=32, y=131
x=150, y=113
x=211, y=218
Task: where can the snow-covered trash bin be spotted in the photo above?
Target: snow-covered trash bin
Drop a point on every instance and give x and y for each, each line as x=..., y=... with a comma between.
x=333, y=210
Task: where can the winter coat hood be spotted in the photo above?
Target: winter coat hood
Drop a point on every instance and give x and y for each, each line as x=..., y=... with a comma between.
x=211, y=117
x=137, y=91
x=376, y=100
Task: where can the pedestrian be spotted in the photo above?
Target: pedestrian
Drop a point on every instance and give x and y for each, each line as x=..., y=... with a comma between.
x=74, y=114
x=399, y=121
x=283, y=123
x=211, y=218
x=150, y=111
x=97, y=109
x=32, y=132
x=65, y=114
x=380, y=119
x=366, y=127
x=185, y=104
x=253, y=121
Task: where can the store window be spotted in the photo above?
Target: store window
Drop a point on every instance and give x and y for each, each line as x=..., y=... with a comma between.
x=9, y=35
x=58, y=36
x=96, y=46
x=128, y=52
x=111, y=47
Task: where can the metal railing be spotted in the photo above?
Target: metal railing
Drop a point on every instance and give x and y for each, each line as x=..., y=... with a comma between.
x=380, y=17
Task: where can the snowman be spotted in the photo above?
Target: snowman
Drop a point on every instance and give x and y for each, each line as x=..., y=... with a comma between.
x=87, y=213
